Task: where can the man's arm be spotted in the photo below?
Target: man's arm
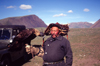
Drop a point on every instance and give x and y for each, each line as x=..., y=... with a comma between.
x=69, y=54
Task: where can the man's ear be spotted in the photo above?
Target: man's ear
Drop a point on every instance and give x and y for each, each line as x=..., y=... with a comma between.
x=59, y=31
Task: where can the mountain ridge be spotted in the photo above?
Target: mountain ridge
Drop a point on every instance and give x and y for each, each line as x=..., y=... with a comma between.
x=96, y=24
x=30, y=21
x=80, y=25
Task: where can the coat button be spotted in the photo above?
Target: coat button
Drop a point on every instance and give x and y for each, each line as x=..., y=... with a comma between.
x=48, y=45
x=45, y=52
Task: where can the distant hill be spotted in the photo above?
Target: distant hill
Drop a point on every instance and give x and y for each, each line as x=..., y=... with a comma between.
x=96, y=24
x=80, y=25
x=30, y=21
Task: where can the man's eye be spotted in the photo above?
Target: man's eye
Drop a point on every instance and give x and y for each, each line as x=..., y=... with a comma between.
x=54, y=30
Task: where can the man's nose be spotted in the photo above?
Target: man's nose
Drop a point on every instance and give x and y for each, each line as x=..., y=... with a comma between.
x=53, y=31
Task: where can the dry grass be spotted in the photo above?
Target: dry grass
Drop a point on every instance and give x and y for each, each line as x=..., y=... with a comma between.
x=85, y=44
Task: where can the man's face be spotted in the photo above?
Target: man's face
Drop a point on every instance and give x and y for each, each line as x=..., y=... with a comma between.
x=54, y=32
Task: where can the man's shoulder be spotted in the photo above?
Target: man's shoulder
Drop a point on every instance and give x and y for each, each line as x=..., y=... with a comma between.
x=65, y=39
x=48, y=39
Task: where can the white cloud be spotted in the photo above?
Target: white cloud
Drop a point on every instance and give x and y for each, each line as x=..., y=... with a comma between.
x=57, y=15
x=70, y=11
x=11, y=6
x=23, y=6
x=92, y=22
x=86, y=10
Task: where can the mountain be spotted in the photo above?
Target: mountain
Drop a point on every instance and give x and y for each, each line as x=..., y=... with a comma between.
x=80, y=25
x=96, y=24
x=30, y=21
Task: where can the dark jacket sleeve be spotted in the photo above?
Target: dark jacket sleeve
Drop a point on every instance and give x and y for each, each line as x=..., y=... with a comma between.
x=44, y=45
x=68, y=54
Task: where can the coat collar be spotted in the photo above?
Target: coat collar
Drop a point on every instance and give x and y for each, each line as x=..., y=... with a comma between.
x=58, y=38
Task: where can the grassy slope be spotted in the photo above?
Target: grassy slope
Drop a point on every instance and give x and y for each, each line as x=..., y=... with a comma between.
x=85, y=44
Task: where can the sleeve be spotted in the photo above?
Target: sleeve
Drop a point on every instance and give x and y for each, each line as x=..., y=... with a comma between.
x=44, y=46
x=68, y=54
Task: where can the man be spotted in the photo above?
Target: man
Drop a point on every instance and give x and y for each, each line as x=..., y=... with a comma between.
x=56, y=48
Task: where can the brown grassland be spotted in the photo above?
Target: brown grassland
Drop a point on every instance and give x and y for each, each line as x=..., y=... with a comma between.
x=85, y=44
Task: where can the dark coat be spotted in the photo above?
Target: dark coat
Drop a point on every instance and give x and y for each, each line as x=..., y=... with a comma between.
x=56, y=49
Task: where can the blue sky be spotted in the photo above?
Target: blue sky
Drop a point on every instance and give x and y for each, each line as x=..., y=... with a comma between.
x=52, y=11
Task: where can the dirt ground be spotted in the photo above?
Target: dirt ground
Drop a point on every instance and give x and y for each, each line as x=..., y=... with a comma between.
x=86, y=55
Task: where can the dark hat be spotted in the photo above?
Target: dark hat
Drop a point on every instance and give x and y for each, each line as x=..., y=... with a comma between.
x=54, y=25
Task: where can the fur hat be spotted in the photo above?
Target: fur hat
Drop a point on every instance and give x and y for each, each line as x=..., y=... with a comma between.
x=54, y=25
x=63, y=29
